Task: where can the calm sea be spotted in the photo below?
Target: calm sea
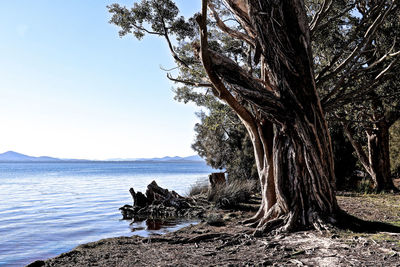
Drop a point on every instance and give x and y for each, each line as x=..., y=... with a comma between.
x=50, y=208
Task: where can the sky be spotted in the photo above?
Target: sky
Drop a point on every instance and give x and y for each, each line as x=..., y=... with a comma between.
x=71, y=88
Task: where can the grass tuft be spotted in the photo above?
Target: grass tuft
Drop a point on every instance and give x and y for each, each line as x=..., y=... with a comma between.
x=234, y=193
x=199, y=188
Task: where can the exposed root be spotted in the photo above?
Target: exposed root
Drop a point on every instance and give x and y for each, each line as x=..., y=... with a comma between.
x=253, y=221
x=278, y=221
x=269, y=226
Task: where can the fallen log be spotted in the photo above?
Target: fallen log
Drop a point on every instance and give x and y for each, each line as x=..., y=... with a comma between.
x=159, y=202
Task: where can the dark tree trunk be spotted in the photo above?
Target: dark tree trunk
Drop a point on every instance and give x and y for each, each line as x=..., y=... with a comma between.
x=302, y=152
x=379, y=157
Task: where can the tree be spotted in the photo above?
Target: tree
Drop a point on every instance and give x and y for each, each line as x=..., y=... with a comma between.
x=278, y=105
x=356, y=64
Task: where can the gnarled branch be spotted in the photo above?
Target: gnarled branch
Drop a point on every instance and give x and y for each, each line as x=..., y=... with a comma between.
x=321, y=13
x=230, y=31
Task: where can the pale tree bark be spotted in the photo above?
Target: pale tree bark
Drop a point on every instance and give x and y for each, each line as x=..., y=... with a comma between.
x=297, y=166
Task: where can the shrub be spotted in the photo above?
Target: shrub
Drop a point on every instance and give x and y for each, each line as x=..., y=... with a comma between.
x=235, y=192
x=365, y=186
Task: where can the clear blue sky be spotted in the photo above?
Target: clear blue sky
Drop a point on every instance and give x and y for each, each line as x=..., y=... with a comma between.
x=71, y=88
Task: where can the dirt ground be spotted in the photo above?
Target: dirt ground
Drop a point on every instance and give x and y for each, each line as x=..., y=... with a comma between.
x=233, y=244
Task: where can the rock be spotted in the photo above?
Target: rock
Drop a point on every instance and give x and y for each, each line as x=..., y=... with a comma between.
x=215, y=219
x=37, y=263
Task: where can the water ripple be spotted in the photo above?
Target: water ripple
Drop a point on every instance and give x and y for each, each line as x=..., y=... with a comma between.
x=50, y=208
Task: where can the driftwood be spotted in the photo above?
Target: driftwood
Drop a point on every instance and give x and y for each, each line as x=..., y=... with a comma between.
x=159, y=203
x=139, y=200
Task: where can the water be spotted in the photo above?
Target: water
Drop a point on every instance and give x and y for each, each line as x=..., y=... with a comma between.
x=50, y=208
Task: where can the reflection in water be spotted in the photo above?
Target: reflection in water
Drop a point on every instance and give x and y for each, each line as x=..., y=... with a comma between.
x=158, y=225
x=154, y=224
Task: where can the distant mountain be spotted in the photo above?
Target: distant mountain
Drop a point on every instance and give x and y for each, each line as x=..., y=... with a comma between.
x=11, y=156
x=163, y=159
x=176, y=158
x=14, y=156
x=194, y=158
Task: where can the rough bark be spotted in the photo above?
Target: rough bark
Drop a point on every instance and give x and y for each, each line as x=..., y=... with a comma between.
x=379, y=158
x=299, y=160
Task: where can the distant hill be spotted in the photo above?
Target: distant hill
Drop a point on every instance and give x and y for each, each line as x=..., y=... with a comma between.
x=165, y=159
x=194, y=158
x=190, y=158
x=11, y=156
x=14, y=156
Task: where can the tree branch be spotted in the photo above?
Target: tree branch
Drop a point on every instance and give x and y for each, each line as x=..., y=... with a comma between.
x=230, y=31
x=171, y=48
x=223, y=93
x=321, y=13
x=240, y=10
x=358, y=148
x=190, y=83
x=330, y=20
x=355, y=54
x=218, y=66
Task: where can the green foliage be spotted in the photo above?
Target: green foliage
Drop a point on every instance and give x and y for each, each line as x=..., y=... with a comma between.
x=365, y=186
x=160, y=15
x=223, y=141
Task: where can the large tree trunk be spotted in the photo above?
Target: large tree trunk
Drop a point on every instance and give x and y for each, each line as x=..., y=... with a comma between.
x=302, y=152
x=296, y=168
